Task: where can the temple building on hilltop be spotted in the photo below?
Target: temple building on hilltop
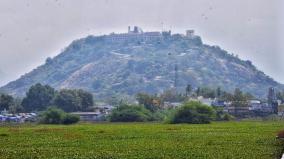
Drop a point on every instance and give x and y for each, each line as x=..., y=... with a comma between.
x=137, y=34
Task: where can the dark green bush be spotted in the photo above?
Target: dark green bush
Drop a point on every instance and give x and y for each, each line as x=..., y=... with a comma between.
x=70, y=119
x=193, y=113
x=227, y=117
x=54, y=115
x=162, y=115
x=130, y=113
x=220, y=115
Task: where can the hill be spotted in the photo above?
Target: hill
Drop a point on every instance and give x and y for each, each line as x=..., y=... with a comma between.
x=124, y=67
x=2, y=77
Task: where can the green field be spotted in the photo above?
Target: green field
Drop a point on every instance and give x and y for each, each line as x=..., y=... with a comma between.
x=143, y=140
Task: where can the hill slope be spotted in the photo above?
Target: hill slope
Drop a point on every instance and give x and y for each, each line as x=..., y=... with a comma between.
x=2, y=77
x=127, y=67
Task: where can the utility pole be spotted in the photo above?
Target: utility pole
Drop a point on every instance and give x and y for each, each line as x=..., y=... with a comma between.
x=175, y=71
x=176, y=76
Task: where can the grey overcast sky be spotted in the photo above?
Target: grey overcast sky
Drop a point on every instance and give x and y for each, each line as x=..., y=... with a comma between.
x=32, y=30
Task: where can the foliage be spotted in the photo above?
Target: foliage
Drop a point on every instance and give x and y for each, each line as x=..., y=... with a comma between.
x=38, y=97
x=218, y=92
x=162, y=115
x=70, y=119
x=173, y=96
x=188, y=90
x=206, y=92
x=55, y=115
x=220, y=115
x=193, y=113
x=280, y=96
x=67, y=100
x=219, y=140
x=6, y=101
x=73, y=100
x=150, y=102
x=130, y=113
x=17, y=106
x=239, y=99
x=227, y=117
x=52, y=116
x=273, y=117
x=86, y=99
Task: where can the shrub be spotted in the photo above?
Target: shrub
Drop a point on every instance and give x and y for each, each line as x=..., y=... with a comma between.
x=54, y=115
x=161, y=115
x=130, y=113
x=193, y=113
x=70, y=119
x=272, y=117
x=222, y=116
x=227, y=117
x=164, y=115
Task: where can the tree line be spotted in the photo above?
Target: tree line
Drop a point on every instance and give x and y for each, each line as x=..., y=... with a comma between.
x=39, y=97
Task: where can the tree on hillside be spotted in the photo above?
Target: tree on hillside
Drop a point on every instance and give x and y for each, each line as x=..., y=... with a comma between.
x=38, y=97
x=6, y=101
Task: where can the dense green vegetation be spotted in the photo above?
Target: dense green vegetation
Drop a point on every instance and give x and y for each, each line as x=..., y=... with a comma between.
x=54, y=115
x=39, y=97
x=8, y=102
x=280, y=95
x=193, y=113
x=222, y=140
x=130, y=113
x=73, y=100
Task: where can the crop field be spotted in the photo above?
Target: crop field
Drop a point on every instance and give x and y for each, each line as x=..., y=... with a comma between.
x=250, y=139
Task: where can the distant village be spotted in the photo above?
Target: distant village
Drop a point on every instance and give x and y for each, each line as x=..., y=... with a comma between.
x=252, y=107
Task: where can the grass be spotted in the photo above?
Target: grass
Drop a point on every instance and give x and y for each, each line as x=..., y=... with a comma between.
x=250, y=139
